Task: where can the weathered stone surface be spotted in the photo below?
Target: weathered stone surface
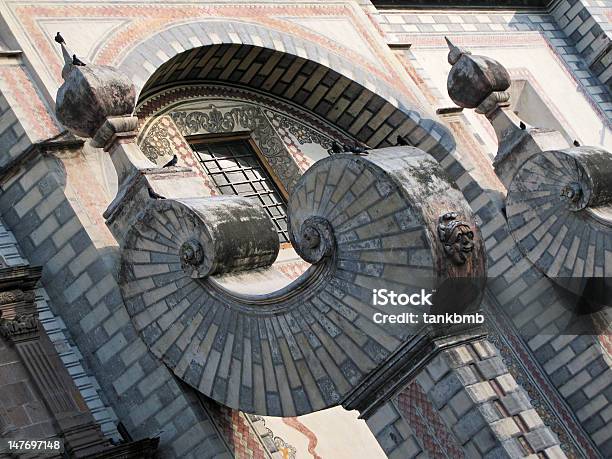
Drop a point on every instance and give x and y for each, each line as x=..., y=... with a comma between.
x=396, y=194
x=92, y=93
x=474, y=78
x=565, y=213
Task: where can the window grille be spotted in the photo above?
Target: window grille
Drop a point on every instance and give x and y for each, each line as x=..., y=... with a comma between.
x=237, y=170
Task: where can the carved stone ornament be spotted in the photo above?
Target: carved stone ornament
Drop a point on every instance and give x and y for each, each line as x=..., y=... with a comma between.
x=456, y=236
x=13, y=296
x=353, y=218
x=245, y=117
x=21, y=325
x=473, y=79
x=567, y=195
x=90, y=94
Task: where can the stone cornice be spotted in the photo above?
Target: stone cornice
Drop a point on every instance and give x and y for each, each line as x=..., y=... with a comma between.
x=19, y=277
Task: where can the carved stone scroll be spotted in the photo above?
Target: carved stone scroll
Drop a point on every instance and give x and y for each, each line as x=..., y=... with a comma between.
x=366, y=223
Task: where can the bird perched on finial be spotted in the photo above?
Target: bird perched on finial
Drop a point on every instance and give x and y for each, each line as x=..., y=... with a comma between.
x=576, y=143
x=401, y=142
x=172, y=162
x=522, y=125
x=77, y=61
x=59, y=39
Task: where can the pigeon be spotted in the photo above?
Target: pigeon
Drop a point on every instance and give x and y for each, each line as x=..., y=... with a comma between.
x=522, y=125
x=153, y=194
x=402, y=142
x=172, y=162
x=336, y=148
x=357, y=150
x=576, y=143
x=77, y=61
x=344, y=148
x=59, y=39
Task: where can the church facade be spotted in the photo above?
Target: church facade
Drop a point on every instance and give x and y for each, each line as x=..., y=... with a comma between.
x=202, y=203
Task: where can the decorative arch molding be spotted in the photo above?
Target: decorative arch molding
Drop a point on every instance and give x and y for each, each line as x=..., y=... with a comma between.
x=211, y=118
x=279, y=130
x=328, y=84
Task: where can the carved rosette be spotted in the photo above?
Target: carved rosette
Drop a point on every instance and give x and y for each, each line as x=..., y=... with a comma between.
x=559, y=209
x=364, y=222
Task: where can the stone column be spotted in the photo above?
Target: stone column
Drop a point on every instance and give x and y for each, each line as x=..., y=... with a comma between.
x=20, y=326
x=81, y=433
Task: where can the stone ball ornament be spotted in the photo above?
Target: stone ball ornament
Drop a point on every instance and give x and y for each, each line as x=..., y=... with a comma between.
x=472, y=79
x=363, y=222
x=90, y=94
x=559, y=209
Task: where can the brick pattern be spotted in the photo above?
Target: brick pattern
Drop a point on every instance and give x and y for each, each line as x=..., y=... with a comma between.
x=500, y=29
x=559, y=241
x=83, y=292
x=13, y=138
x=352, y=106
x=425, y=420
x=27, y=104
x=542, y=314
x=237, y=432
x=527, y=371
x=292, y=270
x=252, y=361
x=488, y=213
x=21, y=406
x=394, y=434
x=145, y=20
x=58, y=334
x=488, y=413
x=588, y=29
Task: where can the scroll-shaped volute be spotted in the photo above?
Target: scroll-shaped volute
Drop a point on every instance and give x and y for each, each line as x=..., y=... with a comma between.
x=347, y=203
x=205, y=236
x=559, y=209
x=365, y=222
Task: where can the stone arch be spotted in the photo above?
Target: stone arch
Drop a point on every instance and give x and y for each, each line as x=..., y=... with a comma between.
x=363, y=96
x=358, y=101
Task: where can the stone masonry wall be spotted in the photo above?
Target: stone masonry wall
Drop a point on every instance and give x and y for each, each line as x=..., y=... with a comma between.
x=465, y=403
x=401, y=26
x=586, y=23
x=82, y=290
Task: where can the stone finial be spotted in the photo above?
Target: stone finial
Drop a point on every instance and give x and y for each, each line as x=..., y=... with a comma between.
x=90, y=94
x=473, y=80
x=455, y=52
x=482, y=83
